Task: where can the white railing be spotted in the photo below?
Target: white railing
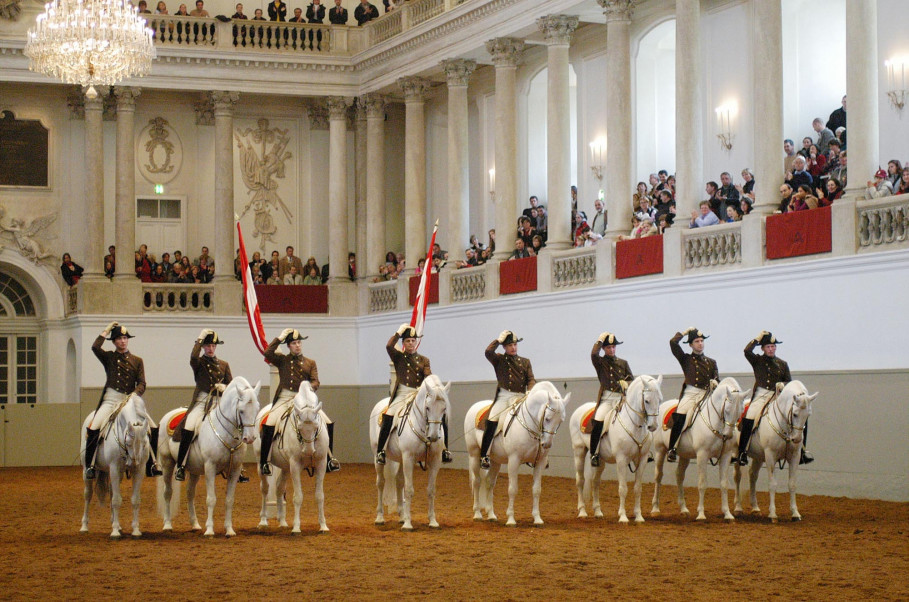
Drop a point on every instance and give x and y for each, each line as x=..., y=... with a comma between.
x=391, y=24
x=713, y=246
x=72, y=300
x=178, y=297
x=468, y=284
x=579, y=268
x=423, y=10
x=383, y=296
x=245, y=35
x=883, y=222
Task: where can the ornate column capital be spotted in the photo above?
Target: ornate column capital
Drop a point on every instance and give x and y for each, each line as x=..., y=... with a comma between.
x=126, y=97
x=337, y=107
x=458, y=71
x=95, y=103
x=223, y=102
x=375, y=105
x=617, y=10
x=318, y=115
x=414, y=88
x=557, y=29
x=360, y=107
x=505, y=52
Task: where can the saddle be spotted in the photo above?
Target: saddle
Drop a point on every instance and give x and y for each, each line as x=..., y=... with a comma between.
x=398, y=409
x=587, y=419
x=111, y=420
x=757, y=420
x=669, y=418
x=483, y=417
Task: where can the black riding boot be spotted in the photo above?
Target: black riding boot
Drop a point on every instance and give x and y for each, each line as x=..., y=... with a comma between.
x=332, y=465
x=268, y=433
x=91, y=445
x=446, y=455
x=151, y=466
x=186, y=439
x=678, y=422
x=488, y=435
x=744, y=440
x=806, y=457
x=595, y=435
x=384, y=432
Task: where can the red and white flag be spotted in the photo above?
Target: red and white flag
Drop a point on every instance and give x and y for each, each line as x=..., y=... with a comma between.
x=418, y=318
x=250, y=300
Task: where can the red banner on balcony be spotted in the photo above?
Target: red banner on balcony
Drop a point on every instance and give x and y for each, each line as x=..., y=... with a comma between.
x=639, y=257
x=518, y=276
x=799, y=233
x=292, y=299
x=414, y=284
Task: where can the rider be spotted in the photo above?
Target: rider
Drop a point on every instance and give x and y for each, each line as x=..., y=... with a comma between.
x=701, y=376
x=125, y=375
x=615, y=376
x=293, y=369
x=411, y=369
x=769, y=371
x=212, y=377
x=514, y=376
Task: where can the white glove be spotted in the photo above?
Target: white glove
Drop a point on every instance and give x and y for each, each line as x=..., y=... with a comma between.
x=401, y=329
x=689, y=329
x=220, y=387
x=624, y=385
x=205, y=332
x=108, y=328
x=761, y=336
x=503, y=336
x=284, y=333
x=714, y=384
x=602, y=338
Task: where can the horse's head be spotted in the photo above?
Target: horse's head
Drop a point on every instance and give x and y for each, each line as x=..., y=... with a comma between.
x=796, y=403
x=306, y=414
x=435, y=404
x=246, y=399
x=548, y=406
x=134, y=422
x=651, y=393
x=729, y=399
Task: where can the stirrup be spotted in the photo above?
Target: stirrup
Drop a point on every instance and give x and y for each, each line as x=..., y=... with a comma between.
x=333, y=465
x=594, y=459
x=152, y=470
x=484, y=462
x=180, y=474
x=806, y=457
x=266, y=469
x=672, y=456
x=743, y=459
x=242, y=478
x=446, y=456
x=380, y=457
x=90, y=473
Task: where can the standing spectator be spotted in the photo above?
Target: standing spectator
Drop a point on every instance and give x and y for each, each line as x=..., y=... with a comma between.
x=315, y=13
x=706, y=218
x=257, y=262
x=203, y=273
x=824, y=135
x=534, y=201
x=199, y=11
x=165, y=263
x=312, y=277
x=646, y=210
x=159, y=276
x=277, y=11
x=747, y=189
x=337, y=15
x=904, y=182
x=143, y=265
x=161, y=9
x=352, y=265
x=526, y=231
x=789, y=149
x=806, y=143
x=110, y=261
x=654, y=182
x=837, y=118
x=181, y=11
x=637, y=196
x=716, y=203
x=70, y=271
x=839, y=172
x=310, y=264
x=536, y=246
x=492, y=240
x=894, y=172
x=208, y=259
x=598, y=225
x=365, y=12
x=239, y=14
x=727, y=193
x=665, y=206
x=389, y=5
x=287, y=261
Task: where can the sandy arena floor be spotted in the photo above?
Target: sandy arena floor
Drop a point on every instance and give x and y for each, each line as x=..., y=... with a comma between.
x=843, y=549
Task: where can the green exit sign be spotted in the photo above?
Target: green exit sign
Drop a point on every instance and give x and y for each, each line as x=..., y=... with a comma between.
x=159, y=188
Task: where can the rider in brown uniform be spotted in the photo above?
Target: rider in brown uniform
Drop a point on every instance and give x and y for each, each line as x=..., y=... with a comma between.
x=701, y=375
x=514, y=376
x=615, y=375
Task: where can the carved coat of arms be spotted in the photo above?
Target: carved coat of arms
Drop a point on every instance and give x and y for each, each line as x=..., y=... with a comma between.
x=261, y=170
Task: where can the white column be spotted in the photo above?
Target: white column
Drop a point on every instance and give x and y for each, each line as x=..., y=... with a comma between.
x=360, y=203
x=125, y=212
x=506, y=53
x=557, y=30
x=458, y=72
x=223, y=103
x=768, y=103
x=618, y=115
x=415, y=241
x=375, y=184
x=862, y=89
x=688, y=107
x=337, y=187
x=94, y=192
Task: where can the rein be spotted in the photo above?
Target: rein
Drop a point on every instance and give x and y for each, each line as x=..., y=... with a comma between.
x=310, y=470
x=643, y=414
x=540, y=430
x=413, y=408
x=787, y=436
x=721, y=416
x=236, y=429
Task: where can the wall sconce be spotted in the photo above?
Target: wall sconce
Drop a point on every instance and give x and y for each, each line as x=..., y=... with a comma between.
x=598, y=157
x=492, y=184
x=724, y=115
x=896, y=82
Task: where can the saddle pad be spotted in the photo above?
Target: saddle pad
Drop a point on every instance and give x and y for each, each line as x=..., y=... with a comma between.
x=586, y=425
x=482, y=416
x=742, y=417
x=264, y=420
x=174, y=423
x=667, y=420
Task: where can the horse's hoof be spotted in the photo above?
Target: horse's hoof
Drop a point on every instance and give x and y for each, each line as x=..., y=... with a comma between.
x=796, y=519
x=598, y=514
x=477, y=516
x=323, y=529
x=262, y=525
x=701, y=518
x=582, y=514
x=774, y=520
x=638, y=520
x=729, y=519
x=685, y=513
x=755, y=511
x=654, y=513
x=511, y=523
x=434, y=525
x=210, y=534
x=137, y=533
x=230, y=534
x=739, y=512
x=378, y=522
x=115, y=536
x=492, y=518
x=84, y=529
x=407, y=528
x=295, y=532
x=623, y=520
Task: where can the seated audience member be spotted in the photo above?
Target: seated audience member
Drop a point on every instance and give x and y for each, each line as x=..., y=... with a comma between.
x=706, y=218
x=817, y=162
x=824, y=135
x=833, y=156
x=728, y=193
x=663, y=223
x=325, y=271
x=641, y=193
x=800, y=175
x=159, y=275
x=257, y=261
x=256, y=275
x=475, y=244
x=646, y=210
x=635, y=229
x=274, y=278
x=799, y=199
x=879, y=187
x=519, y=251
x=485, y=255
x=526, y=231
x=733, y=214
x=598, y=222
x=745, y=205
x=365, y=12
x=337, y=15
x=665, y=205
x=747, y=189
x=312, y=277
x=806, y=144
x=537, y=244
x=663, y=175
x=292, y=277
x=470, y=259
x=839, y=172
x=70, y=270
x=352, y=265
x=894, y=172
x=904, y=182
x=421, y=265
x=298, y=16
x=176, y=274
x=829, y=192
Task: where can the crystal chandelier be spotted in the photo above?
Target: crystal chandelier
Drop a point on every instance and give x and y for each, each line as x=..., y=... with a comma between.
x=90, y=42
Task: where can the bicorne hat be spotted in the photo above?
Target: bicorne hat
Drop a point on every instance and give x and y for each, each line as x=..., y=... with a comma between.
x=511, y=338
x=695, y=334
x=212, y=338
x=119, y=331
x=769, y=339
x=611, y=340
x=410, y=333
x=294, y=336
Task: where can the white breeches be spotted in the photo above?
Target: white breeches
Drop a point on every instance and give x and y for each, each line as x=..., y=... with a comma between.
x=690, y=398
x=608, y=402
x=502, y=403
x=111, y=401
x=196, y=414
x=282, y=403
x=761, y=397
x=401, y=395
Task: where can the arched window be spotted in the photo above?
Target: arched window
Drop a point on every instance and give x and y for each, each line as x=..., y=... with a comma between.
x=19, y=333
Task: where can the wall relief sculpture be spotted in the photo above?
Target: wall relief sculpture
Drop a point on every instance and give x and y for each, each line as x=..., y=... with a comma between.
x=23, y=233
x=159, y=152
x=263, y=153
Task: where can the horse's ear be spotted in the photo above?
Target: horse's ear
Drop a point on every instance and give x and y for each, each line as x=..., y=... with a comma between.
x=566, y=399
x=660, y=380
x=447, y=388
x=257, y=388
x=813, y=397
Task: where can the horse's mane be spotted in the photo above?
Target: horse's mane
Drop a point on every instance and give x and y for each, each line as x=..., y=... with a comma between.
x=547, y=386
x=794, y=388
x=731, y=382
x=139, y=404
x=433, y=381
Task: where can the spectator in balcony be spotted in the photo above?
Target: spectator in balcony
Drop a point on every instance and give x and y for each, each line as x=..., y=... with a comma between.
x=747, y=189
x=275, y=264
x=824, y=134
x=298, y=16
x=70, y=270
x=310, y=263
x=894, y=172
x=110, y=261
x=208, y=258
x=665, y=206
x=492, y=241
x=143, y=264
x=578, y=224
x=733, y=214
x=542, y=222
x=142, y=8
x=879, y=187
x=519, y=251
x=654, y=182
x=830, y=192
x=205, y=273
x=161, y=9
x=257, y=262
x=257, y=16
x=273, y=279
x=256, y=275
x=337, y=15
x=745, y=205
x=199, y=11
x=391, y=258
x=537, y=244
x=841, y=136
x=315, y=13
x=181, y=12
x=470, y=259
x=526, y=232
x=166, y=263
x=325, y=272
x=670, y=182
x=352, y=265
x=598, y=225
x=365, y=12
x=475, y=244
x=838, y=118
x=534, y=202
x=799, y=201
x=903, y=187
x=638, y=195
x=239, y=264
x=294, y=277
x=800, y=175
x=706, y=218
x=176, y=274
x=839, y=172
x=806, y=143
x=663, y=223
x=585, y=238
x=312, y=277
x=159, y=276
x=484, y=256
x=817, y=163
x=239, y=14
x=646, y=210
x=421, y=265
x=390, y=5
x=716, y=204
x=728, y=193
x=287, y=261
x=789, y=149
x=277, y=11
x=187, y=265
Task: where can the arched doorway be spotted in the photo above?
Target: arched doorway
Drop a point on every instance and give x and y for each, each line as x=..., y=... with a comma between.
x=19, y=343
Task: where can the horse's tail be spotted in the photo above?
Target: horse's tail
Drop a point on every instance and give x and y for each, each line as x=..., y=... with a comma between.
x=174, y=500
x=390, y=491
x=102, y=487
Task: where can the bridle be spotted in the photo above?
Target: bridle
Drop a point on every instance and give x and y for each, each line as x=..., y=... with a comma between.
x=539, y=430
x=127, y=448
x=643, y=414
x=721, y=415
x=233, y=427
x=428, y=398
x=787, y=436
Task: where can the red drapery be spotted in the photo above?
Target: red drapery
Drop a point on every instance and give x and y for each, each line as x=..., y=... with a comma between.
x=639, y=257
x=292, y=299
x=799, y=233
x=518, y=276
x=414, y=284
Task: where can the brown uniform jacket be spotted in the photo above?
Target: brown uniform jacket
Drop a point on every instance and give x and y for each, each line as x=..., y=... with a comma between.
x=698, y=368
x=513, y=372
x=285, y=263
x=767, y=370
x=208, y=372
x=293, y=369
x=125, y=371
x=411, y=369
x=610, y=370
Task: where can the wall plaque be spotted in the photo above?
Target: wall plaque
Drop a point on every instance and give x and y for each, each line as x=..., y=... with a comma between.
x=23, y=151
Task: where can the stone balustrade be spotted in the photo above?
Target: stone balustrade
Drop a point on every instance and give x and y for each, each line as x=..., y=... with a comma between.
x=468, y=284
x=178, y=297
x=713, y=247
x=383, y=296
x=883, y=223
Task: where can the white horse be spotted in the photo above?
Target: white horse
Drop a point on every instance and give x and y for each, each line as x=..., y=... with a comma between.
x=216, y=449
x=526, y=436
x=778, y=437
x=123, y=451
x=710, y=436
x=416, y=440
x=627, y=441
x=302, y=445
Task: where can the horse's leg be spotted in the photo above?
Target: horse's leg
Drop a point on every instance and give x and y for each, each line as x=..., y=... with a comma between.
x=639, y=486
x=771, y=472
x=434, y=464
x=407, y=463
x=753, y=478
x=657, y=481
x=136, y=498
x=680, y=485
x=116, y=500
x=280, y=496
x=703, y=459
x=579, y=454
x=263, y=490
x=211, y=497
x=621, y=469
x=738, y=489
x=380, y=487
x=168, y=496
x=724, y=486
x=295, y=474
x=476, y=483
x=89, y=486
x=319, y=493
x=399, y=489
x=537, y=489
x=595, y=480
x=492, y=475
x=514, y=463
x=191, y=481
x=229, y=496
x=793, y=469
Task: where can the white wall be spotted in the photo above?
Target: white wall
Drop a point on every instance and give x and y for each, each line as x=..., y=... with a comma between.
x=892, y=42
x=654, y=101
